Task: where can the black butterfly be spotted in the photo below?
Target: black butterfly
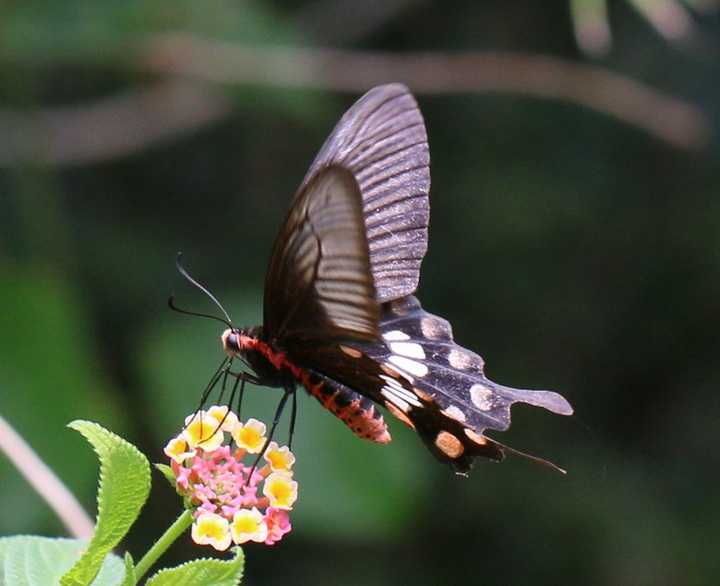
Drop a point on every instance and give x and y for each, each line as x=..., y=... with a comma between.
x=339, y=315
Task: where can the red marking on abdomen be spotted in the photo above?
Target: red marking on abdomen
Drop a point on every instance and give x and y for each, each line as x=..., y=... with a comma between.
x=364, y=421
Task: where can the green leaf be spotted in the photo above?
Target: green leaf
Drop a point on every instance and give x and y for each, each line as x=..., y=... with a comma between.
x=38, y=561
x=167, y=473
x=205, y=571
x=40, y=304
x=123, y=488
x=130, y=578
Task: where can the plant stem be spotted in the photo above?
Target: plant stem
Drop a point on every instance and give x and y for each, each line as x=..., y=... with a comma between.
x=45, y=482
x=160, y=546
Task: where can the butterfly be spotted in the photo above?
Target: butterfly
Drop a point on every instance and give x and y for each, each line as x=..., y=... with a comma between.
x=339, y=316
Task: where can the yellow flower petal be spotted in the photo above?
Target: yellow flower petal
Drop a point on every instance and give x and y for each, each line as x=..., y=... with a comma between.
x=250, y=436
x=281, y=489
x=279, y=458
x=212, y=529
x=248, y=525
x=177, y=449
x=223, y=414
x=202, y=431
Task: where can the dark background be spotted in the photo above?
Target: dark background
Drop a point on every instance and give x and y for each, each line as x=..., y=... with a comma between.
x=574, y=244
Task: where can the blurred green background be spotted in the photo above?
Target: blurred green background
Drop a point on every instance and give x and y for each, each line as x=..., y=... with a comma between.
x=574, y=244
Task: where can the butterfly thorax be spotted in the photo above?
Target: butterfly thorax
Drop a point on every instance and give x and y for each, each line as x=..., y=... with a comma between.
x=270, y=365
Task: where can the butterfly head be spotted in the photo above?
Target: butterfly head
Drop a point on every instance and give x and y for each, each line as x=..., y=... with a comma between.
x=233, y=340
x=239, y=341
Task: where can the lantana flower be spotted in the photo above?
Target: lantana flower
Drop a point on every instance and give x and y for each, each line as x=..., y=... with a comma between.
x=279, y=458
x=281, y=490
x=231, y=502
x=226, y=418
x=202, y=431
x=211, y=529
x=278, y=524
x=250, y=436
x=248, y=525
x=177, y=449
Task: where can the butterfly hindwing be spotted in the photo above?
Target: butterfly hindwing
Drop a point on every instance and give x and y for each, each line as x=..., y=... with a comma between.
x=421, y=346
x=430, y=383
x=382, y=141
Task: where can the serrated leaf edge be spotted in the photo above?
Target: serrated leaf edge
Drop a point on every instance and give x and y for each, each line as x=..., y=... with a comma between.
x=102, y=444
x=238, y=559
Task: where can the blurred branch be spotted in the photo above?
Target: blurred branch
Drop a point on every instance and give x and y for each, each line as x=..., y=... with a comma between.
x=110, y=127
x=126, y=123
x=673, y=20
x=592, y=29
x=45, y=482
x=669, y=18
x=344, y=21
x=665, y=117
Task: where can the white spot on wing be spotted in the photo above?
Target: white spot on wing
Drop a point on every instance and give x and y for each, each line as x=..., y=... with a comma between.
x=411, y=366
x=429, y=327
x=395, y=400
x=395, y=335
x=455, y=413
x=460, y=359
x=393, y=386
x=481, y=396
x=408, y=349
x=435, y=328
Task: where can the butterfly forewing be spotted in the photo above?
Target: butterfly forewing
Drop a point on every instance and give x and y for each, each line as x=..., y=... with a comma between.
x=319, y=284
x=382, y=141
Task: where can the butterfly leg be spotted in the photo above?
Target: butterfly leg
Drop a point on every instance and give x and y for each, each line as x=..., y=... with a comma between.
x=276, y=419
x=293, y=417
x=213, y=381
x=211, y=385
x=241, y=378
x=241, y=394
x=249, y=377
x=223, y=387
x=232, y=395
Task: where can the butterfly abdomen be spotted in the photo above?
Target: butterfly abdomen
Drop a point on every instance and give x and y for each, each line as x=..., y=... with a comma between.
x=276, y=369
x=357, y=412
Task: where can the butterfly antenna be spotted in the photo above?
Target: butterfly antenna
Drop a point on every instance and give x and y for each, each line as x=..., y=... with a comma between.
x=181, y=269
x=172, y=305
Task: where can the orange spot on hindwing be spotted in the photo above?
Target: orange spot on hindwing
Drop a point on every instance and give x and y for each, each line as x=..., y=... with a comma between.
x=449, y=445
x=399, y=414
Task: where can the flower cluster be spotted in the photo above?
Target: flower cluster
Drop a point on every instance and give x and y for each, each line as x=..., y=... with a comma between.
x=232, y=503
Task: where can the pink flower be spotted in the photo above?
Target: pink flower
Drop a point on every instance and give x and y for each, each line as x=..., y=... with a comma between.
x=278, y=524
x=228, y=503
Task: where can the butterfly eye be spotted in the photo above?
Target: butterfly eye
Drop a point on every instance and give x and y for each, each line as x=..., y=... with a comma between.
x=231, y=341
